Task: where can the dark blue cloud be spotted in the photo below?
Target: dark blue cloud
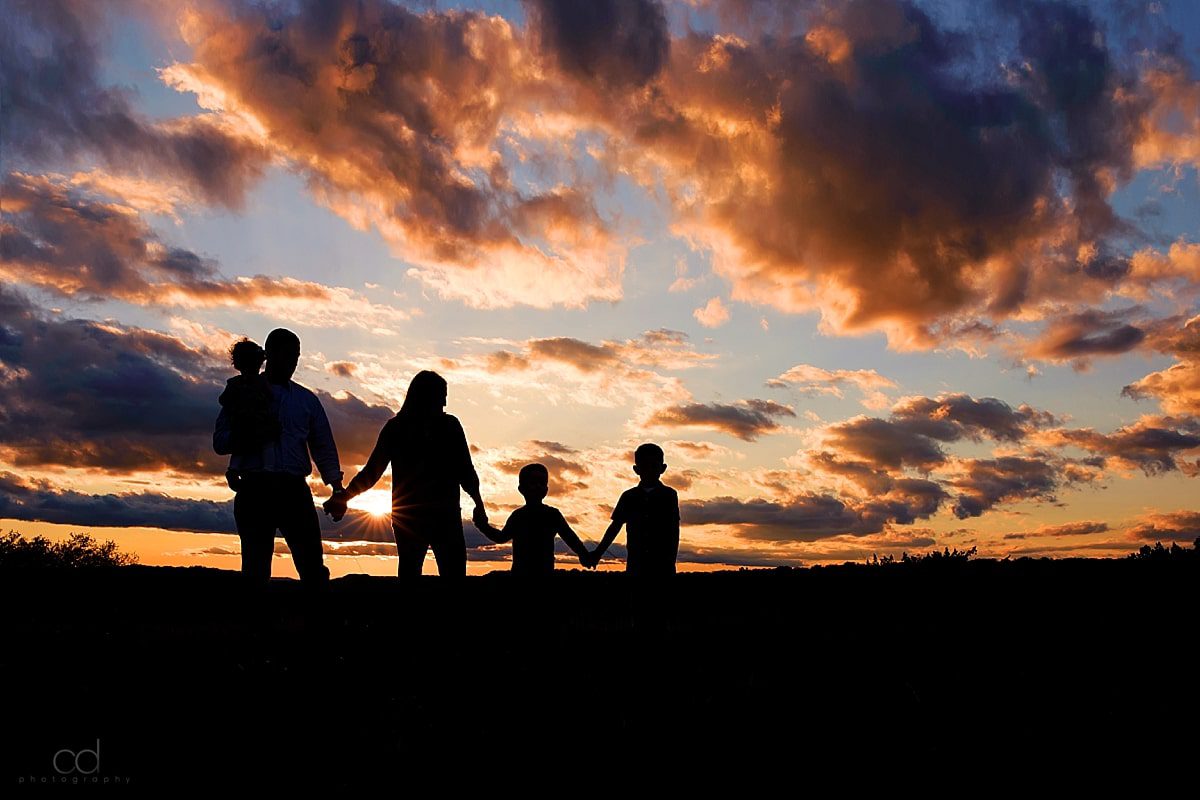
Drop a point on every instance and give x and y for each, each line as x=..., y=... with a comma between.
x=85, y=394
x=616, y=43
x=39, y=502
x=54, y=107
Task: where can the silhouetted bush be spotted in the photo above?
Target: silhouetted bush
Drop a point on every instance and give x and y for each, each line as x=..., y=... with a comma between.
x=80, y=550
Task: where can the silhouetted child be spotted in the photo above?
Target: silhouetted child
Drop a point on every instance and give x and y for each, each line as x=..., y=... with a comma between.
x=650, y=512
x=533, y=526
x=247, y=400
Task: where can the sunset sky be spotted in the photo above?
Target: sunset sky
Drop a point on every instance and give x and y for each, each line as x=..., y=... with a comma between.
x=880, y=276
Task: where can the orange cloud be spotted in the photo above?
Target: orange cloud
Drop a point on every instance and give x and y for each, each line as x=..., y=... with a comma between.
x=1171, y=131
x=712, y=314
x=1081, y=528
x=395, y=118
x=745, y=419
x=1171, y=526
x=1177, y=388
x=606, y=374
x=840, y=170
x=810, y=380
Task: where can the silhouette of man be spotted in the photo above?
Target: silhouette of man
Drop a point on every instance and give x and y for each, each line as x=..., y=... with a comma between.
x=273, y=493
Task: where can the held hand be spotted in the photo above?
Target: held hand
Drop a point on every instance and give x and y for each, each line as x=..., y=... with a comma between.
x=335, y=506
x=479, y=517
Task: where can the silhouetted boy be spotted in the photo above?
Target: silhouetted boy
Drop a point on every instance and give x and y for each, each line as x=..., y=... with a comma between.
x=247, y=401
x=533, y=526
x=650, y=512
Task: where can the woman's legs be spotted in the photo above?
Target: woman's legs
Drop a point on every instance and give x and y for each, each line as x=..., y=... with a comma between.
x=440, y=528
x=411, y=547
x=450, y=547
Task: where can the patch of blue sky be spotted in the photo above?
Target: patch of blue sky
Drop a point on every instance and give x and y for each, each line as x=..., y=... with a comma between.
x=512, y=10
x=136, y=51
x=1162, y=202
x=282, y=230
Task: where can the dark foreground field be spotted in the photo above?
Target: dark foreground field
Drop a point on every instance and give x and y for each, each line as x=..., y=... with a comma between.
x=978, y=666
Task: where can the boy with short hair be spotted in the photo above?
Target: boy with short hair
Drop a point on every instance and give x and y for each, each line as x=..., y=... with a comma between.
x=650, y=512
x=533, y=526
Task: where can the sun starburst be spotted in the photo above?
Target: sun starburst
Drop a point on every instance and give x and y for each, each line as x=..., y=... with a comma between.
x=376, y=502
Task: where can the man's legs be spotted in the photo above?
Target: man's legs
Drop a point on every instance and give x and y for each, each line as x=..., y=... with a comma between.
x=256, y=529
x=300, y=528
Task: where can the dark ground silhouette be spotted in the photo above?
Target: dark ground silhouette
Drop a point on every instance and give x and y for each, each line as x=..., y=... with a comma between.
x=976, y=665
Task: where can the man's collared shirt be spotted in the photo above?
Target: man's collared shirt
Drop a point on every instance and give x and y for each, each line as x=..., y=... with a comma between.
x=305, y=431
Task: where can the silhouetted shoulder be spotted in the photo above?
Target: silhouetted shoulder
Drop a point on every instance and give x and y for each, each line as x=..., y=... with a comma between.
x=305, y=392
x=625, y=503
x=628, y=494
x=671, y=493
x=672, y=500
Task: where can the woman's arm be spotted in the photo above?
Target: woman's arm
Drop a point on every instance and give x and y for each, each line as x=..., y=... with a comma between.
x=373, y=470
x=464, y=468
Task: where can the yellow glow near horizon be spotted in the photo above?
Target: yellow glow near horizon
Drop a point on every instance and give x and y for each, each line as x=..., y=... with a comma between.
x=376, y=502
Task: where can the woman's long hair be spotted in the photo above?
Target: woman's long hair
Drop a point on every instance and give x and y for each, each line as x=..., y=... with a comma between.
x=424, y=397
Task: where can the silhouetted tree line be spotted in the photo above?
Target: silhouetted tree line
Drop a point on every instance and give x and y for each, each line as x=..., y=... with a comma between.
x=79, y=550
x=1160, y=553
x=83, y=550
x=946, y=556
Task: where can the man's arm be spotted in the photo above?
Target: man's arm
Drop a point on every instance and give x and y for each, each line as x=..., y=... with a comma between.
x=373, y=470
x=223, y=435
x=323, y=448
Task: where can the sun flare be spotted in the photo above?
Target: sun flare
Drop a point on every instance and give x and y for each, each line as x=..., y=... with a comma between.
x=376, y=502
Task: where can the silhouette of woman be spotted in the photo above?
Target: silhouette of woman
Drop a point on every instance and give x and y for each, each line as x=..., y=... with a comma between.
x=428, y=452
